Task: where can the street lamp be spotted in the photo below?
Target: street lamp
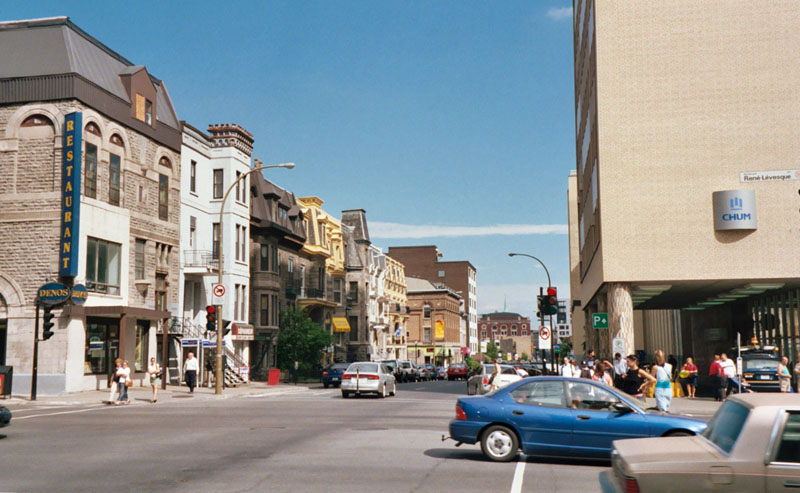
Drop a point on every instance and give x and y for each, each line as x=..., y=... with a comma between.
x=549, y=285
x=218, y=374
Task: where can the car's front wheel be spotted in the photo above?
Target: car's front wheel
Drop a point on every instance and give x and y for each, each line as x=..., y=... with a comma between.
x=499, y=444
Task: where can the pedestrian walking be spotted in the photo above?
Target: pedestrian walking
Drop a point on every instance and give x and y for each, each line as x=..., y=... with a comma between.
x=600, y=375
x=797, y=372
x=125, y=381
x=689, y=376
x=154, y=371
x=673, y=365
x=494, y=379
x=729, y=373
x=636, y=379
x=589, y=361
x=114, y=383
x=717, y=379
x=784, y=375
x=663, y=390
x=620, y=369
x=190, y=372
x=566, y=368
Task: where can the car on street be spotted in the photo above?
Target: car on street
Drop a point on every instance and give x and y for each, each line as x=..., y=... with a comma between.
x=392, y=364
x=751, y=444
x=559, y=417
x=480, y=382
x=5, y=417
x=760, y=369
x=408, y=371
x=332, y=375
x=429, y=371
x=441, y=373
x=457, y=371
x=368, y=377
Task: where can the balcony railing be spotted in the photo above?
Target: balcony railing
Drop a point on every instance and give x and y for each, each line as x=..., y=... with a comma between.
x=200, y=258
x=318, y=294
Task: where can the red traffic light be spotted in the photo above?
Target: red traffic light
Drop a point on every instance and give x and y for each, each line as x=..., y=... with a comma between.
x=210, y=309
x=551, y=291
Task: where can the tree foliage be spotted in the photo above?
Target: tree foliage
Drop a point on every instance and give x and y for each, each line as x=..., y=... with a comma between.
x=566, y=348
x=491, y=351
x=301, y=340
x=471, y=363
x=524, y=357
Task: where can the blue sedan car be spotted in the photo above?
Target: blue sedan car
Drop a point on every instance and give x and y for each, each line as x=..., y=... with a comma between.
x=332, y=375
x=559, y=417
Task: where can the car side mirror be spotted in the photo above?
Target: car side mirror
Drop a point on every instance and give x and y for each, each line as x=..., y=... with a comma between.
x=622, y=408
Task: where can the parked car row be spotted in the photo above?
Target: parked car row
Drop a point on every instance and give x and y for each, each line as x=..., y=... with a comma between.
x=403, y=371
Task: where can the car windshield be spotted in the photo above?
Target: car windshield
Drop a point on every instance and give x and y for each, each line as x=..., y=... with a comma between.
x=724, y=428
x=363, y=368
x=761, y=364
x=340, y=366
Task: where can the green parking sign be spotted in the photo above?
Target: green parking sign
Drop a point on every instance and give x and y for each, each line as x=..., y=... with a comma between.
x=600, y=320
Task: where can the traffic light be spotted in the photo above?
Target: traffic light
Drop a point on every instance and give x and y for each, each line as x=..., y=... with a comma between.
x=225, y=329
x=211, y=318
x=540, y=306
x=551, y=302
x=48, y=324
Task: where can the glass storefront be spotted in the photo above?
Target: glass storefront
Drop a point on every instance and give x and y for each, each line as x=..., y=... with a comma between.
x=102, y=345
x=142, y=330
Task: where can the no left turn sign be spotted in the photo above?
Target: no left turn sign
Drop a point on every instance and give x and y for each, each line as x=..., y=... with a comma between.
x=544, y=337
x=219, y=291
x=544, y=333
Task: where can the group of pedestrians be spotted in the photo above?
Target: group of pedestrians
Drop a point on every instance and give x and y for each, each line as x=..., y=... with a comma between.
x=627, y=375
x=122, y=379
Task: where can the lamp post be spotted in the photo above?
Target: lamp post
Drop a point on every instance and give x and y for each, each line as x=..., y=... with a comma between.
x=219, y=371
x=541, y=320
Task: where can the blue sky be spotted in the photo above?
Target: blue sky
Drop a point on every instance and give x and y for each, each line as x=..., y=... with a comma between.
x=450, y=122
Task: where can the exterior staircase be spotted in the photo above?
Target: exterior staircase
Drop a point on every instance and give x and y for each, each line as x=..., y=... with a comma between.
x=231, y=377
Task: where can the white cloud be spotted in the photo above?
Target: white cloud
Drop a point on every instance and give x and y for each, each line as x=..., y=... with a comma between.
x=379, y=229
x=559, y=14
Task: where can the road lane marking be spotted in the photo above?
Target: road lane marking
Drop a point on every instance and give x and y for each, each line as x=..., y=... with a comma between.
x=64, y=412
x=519, y=474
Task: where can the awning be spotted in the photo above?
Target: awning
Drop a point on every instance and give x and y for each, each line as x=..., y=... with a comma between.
x=242, y=332
x=340, y=324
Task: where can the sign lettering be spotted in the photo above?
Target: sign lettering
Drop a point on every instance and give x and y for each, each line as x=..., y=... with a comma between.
x=71, y=189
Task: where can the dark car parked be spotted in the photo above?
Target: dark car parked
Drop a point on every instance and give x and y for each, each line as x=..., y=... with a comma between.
x=5, y=416
x=332, y=375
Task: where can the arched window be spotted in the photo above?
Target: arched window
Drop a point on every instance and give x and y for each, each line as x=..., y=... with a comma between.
x=116, y=140
x=37, y=121
x=514, y=330
x=164, y=161
x=92, y=128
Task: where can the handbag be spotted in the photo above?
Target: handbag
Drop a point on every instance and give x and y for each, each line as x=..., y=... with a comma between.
x=129, y=382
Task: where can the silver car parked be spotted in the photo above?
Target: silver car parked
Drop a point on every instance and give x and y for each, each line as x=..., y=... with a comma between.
x=368, y=377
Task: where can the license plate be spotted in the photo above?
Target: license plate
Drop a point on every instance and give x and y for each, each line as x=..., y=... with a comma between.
x=335, y=379
x=764, y=377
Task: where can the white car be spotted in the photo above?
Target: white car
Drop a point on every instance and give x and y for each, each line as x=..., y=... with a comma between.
x=368, y=377
x=479, y=382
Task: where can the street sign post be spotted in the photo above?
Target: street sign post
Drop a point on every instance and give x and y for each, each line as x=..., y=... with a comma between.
x=545, y=338
x=599, y=320
x=218, y=291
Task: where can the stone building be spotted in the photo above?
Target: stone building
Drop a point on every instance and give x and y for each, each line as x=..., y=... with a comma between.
x=322, y=290
x=425, y=262
x=434, y=323
x=396, y=292
x=78, y=120
x=277, y=236
x=357, y=243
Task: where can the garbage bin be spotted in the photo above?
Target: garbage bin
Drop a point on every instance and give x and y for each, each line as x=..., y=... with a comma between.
x=6, y=376
x=274, y=377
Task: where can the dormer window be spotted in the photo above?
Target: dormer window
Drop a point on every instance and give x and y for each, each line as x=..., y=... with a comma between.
x=144, y=109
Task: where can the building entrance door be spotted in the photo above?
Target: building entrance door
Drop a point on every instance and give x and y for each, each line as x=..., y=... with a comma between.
x=3, y=340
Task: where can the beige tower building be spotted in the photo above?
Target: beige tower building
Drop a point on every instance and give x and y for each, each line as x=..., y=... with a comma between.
x=684, y=211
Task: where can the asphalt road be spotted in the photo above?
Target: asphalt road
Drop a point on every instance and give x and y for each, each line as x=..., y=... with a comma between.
x=298, y=440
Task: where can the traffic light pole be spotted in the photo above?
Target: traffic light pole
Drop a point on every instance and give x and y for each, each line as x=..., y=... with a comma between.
x=35, y=352
x=218, y=374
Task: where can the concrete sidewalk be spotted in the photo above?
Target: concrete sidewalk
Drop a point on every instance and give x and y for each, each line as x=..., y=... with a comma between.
x=144, y=395
x=702, y=407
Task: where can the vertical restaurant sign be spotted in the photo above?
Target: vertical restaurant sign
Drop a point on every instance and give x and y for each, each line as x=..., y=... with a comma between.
x=71, y=195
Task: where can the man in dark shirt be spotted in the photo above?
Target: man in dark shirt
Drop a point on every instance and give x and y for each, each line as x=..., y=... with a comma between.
x=589, y=361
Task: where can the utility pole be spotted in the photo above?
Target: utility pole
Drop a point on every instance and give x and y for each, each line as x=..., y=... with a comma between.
x=35, y=352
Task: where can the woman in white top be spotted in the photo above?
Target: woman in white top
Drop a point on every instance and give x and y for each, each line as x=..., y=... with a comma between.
x=154, y=371
x=124, y=374
x=663, y=391
x=566, y=368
